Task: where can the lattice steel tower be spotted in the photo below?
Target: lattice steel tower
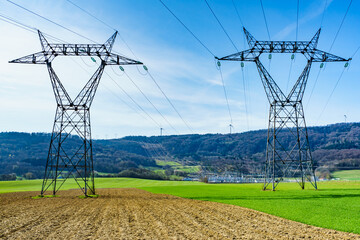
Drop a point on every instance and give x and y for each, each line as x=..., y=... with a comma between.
x=71, y=155
x=288, y=151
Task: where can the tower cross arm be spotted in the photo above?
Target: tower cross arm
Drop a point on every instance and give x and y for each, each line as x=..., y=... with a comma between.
x=114, y=59
x=36, y=58
x=321, y=56
x=88, y=50
x=94, y=50
x=246, y=55
x=52, y=50
x=280, y=47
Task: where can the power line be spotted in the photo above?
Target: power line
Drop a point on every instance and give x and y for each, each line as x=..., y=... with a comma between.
x=104, y=23
x=243, y=76
x=332, y=92
x=293, y=57
x=169, y=101
x=18, y=24
x=221, y=25
x=323, y=15
x=267, y=28
x=91, y=15
x=355, y=52
x=289, y=76
x=342, y=21
x=237, y=13
x=225, y=93
x=141, y=108
x=131, y=107
x=221, y=75
x=25, y=27
x=337, y=82
x=123, y=90
x=244, y=89
x=127, y=75
x=312, y=90
x=49, y=20
x=248, y=86
x=117, y=96
x=207, y=49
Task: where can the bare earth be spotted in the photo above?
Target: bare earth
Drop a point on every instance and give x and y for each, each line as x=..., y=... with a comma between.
x=137, y=214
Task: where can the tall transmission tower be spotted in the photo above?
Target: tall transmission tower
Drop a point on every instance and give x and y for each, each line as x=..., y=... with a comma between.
x=71, y=155
x=288, y=152
x=230, y=127
x=161, y=131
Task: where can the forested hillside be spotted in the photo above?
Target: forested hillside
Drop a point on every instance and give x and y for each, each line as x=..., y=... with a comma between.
x=334, y=147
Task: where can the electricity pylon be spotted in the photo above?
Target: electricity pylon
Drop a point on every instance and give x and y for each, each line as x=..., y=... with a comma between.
x=71, y=155
x=288, y=152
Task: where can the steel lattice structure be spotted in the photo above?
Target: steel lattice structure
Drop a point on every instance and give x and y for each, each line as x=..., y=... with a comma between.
x=70, y=152
x=288, y=151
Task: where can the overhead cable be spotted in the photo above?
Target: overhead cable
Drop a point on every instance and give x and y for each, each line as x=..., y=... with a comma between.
x=221, y=25
x=332, y=92
x=49, y=20
x=337, y=82
x=342, y=22
x=323, y=15
x=152, y=104
x=312, y=90
x=219, y=66
x=225, y=93
x=207, y=49
x=169, y=101
x=104, y=23
x=237, y=13
x=267, y=28
x=244, y=89
x=141, y=108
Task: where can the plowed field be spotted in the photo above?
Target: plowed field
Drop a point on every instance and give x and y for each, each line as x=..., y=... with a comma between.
x=137, y=214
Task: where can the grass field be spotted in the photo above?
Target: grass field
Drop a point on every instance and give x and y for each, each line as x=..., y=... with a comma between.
x=335, y=205
x=178, y=166
x=347, y=174
x=35, y=185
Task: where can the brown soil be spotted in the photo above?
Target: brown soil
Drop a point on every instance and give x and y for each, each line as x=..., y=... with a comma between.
x=137, y=214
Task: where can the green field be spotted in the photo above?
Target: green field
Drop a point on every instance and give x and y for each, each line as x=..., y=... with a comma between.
x=335, y=205
x=347, y=174
x=35, y=185
x=178, y=166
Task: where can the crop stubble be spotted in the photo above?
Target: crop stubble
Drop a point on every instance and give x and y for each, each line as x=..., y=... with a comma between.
x=137, y=214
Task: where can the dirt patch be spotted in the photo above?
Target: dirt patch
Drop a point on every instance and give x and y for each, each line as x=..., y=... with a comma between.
x=137, y=214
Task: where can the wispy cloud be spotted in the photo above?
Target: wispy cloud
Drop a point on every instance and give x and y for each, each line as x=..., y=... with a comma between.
x=310, y=15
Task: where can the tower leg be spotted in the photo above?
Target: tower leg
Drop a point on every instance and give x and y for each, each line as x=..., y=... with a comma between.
x=70, y=151
x=288, y=154
x=307, y=165
x=269, y=177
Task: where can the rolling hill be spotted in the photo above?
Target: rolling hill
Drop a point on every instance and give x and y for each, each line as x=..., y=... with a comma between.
x=333, y=147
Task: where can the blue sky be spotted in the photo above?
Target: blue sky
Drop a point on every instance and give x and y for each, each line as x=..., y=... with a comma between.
x=182, y=67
